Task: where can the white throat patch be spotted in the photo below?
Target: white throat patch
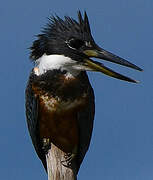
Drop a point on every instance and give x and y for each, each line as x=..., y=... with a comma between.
x=51, y=62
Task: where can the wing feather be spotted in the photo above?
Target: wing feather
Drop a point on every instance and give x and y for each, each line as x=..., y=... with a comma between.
x=86, y=120
x=32, y=120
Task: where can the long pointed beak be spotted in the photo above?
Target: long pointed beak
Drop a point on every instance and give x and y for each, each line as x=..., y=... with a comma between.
x=105, y=55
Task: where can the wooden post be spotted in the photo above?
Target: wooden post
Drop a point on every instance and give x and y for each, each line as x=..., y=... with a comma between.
x=56, y=170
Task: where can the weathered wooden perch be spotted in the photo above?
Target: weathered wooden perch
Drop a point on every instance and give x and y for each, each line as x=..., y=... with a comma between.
x=56, y=170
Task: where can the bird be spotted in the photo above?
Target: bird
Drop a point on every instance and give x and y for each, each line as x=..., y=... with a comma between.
x=60, y=101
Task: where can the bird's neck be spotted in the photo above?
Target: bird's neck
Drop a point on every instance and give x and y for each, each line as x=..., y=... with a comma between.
x=56, y=62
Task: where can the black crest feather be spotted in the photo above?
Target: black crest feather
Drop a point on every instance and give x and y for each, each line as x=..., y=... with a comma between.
x=59, y=29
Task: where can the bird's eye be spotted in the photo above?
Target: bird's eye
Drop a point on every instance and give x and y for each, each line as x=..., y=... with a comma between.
x=75, y=43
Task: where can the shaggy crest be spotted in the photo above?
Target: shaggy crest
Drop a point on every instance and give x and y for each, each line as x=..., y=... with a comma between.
x=59, y=29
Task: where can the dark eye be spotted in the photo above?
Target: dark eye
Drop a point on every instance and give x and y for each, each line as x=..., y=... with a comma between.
x=75, y=43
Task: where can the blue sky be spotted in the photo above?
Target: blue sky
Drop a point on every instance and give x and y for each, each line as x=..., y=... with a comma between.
x=122, y=141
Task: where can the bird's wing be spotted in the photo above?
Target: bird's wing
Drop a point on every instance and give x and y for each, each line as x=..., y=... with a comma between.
x=85, y=120
x=32, y=121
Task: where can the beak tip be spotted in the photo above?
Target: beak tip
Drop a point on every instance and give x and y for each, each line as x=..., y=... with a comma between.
x=139, y=69
x=137, y=81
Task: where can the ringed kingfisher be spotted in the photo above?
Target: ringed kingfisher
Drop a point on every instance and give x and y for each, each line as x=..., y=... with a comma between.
x=60, y=103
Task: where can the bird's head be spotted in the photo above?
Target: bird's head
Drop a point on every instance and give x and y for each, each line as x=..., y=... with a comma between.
x=69, y=44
